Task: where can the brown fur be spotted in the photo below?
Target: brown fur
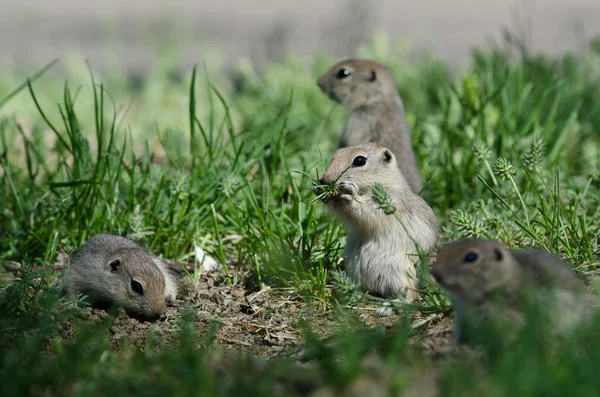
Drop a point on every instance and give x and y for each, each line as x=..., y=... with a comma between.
x=380, y=249
x=511, y=274
x=376, y=111
x=106, y=267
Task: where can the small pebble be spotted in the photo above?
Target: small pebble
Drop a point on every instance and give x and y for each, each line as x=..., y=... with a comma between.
x=11, y=266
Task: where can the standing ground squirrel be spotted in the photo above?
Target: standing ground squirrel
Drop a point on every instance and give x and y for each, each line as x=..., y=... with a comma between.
x=380, y=249
x=475, y=272
x=113, y=270
x=368, y=90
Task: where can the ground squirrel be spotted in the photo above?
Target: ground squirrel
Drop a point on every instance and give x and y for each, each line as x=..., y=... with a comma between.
x=113, y=270
x=380, y=249
x=368, y=90
x=474, y=272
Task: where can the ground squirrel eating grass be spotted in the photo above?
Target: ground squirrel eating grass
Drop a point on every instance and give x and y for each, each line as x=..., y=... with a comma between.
x=113, y=270
x=380, y=249
x=368, y=90
x=476, y=272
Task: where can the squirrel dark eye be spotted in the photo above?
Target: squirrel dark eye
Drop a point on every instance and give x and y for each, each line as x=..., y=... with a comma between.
x=342, y=73
x=137, y=287
x=359, y=161
x=471, y=257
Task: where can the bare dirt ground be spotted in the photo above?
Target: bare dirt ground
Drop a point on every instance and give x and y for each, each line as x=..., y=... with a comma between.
x=268, y=323
x=34, y=31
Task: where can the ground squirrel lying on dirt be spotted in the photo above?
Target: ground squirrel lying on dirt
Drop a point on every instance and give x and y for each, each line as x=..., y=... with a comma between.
x=475, y=272
x=380, y=249
x=368, y=90
x=113, y=270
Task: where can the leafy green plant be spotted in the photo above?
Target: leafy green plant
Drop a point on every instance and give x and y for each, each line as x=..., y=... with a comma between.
x=509, y=149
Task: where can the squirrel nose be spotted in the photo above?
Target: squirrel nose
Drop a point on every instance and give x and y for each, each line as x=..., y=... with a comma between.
x=437, y=275
x=159, y=308
x=317, y=189
x=321, y=83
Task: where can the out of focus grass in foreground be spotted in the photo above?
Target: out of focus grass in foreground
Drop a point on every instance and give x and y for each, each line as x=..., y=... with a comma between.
x=510, y=149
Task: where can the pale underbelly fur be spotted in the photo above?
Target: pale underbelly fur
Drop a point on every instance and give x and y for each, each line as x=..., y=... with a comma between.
x=382, y=266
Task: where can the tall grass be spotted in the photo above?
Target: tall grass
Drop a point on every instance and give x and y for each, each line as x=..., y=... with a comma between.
x=510, y=150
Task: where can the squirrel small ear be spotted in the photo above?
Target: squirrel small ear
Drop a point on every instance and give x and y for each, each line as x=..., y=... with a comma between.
x=373, y=76
x=115, y=265
x=387, y=156
x=498, y=254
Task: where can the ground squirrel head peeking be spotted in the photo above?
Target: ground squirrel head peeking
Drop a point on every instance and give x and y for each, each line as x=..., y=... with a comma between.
x=138, y=280
x=472, y=270
x=115, y=271
x=355, y=82
x=476, y=272
x=351, y=176
x=353, y=171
